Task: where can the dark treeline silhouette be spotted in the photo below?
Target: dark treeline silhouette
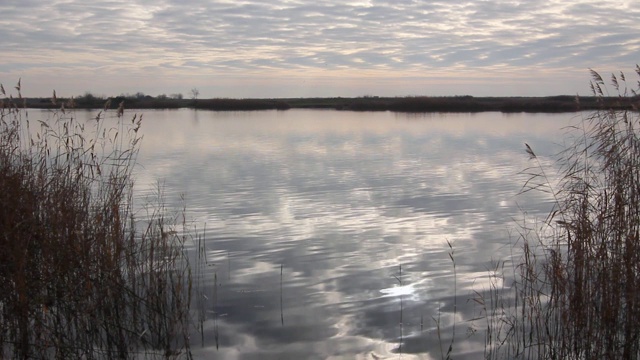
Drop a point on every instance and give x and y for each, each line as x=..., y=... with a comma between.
x=550, y=104
x=239, y=104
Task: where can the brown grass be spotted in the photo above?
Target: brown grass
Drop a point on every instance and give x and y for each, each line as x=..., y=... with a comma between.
x=80, y=277
x=577, y=286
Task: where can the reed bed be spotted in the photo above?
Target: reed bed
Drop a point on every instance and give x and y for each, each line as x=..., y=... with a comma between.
x=80, y=276
x=576, y=293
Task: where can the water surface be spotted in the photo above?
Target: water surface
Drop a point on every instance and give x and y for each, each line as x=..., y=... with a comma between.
x=328, y=231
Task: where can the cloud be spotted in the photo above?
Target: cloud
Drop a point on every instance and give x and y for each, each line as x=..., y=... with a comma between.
x=388, y=38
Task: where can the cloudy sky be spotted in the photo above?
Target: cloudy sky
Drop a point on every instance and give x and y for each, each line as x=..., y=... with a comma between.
x=301, y=48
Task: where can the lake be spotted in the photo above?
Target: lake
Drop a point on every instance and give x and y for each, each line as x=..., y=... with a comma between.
x=328, y=232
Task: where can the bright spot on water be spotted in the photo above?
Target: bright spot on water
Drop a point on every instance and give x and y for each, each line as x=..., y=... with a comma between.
x=398, y=291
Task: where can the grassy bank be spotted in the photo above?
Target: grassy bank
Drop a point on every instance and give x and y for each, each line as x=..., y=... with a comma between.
x=550, y=104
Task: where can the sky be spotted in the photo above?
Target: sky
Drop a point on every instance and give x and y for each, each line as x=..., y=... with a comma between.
x=315, y=48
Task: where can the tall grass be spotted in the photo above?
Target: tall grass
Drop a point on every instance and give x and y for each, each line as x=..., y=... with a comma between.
x=577, y=286
x=80, y=277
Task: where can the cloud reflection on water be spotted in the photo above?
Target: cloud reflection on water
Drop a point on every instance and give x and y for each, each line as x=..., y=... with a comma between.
x=341, y=200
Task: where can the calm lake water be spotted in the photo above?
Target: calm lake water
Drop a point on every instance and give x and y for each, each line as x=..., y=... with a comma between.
x=327, y=231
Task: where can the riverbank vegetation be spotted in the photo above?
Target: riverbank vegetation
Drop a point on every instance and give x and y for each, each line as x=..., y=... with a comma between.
x=81, y=276
x=551, y=104
x=576, y=293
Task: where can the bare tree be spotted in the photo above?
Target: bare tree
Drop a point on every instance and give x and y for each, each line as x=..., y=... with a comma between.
x=194, y=93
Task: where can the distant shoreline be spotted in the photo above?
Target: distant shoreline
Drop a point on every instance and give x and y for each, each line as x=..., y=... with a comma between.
x=413, y=104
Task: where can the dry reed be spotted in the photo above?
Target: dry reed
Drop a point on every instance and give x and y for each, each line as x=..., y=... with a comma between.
x=576, y=293
x=80, y=277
